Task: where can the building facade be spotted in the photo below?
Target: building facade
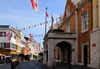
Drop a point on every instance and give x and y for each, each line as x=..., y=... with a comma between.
x=95, y=33
x=8, y=43
x=77, y=20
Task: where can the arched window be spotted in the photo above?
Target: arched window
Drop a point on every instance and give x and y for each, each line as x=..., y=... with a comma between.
x=68, y=11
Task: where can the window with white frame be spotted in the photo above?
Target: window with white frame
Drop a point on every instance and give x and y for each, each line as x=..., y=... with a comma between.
x=68, y=11
x=68, y=27
x=1, y=45
x=84, y=21
x=2, y=34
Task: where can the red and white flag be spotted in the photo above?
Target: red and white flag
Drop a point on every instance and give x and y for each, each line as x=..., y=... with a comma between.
x=52, y=19
x=9, y=35
x=46, y=13
x=34, y=5
x=31, y=36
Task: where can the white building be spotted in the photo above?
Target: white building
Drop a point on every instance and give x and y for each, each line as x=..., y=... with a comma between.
x=8, y=44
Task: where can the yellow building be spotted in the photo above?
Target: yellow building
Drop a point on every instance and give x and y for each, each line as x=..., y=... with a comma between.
x=18, y=41
x=95, y=14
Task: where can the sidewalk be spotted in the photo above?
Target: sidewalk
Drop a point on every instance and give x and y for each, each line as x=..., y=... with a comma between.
x=60, y=65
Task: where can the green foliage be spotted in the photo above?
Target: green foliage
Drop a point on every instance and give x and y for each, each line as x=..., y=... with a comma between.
x=35, y=55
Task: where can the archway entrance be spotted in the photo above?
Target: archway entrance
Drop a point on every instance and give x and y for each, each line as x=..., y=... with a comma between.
x=63, y=52
x=58, y=46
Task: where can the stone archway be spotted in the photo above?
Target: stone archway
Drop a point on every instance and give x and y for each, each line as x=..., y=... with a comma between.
x=63, y=52
x=62, y=40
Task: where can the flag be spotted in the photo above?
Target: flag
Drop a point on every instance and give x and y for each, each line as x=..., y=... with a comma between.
x=46, y=21
x=46, y=12
x=40, y=23
x=52, y=19
x=31, y=36
x=9, y=35
x=23, y=28
x=35, y=41
x=34, y=5
x=34, y=25
x=59, y=17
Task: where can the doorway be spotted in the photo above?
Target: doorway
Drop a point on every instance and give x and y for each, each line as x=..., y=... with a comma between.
x=85, y=55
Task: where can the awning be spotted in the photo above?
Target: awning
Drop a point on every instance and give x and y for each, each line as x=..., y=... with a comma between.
x=2, y=55
x=8, y=56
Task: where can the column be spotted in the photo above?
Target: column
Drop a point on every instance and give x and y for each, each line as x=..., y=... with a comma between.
x=51, y=59
x=44, y=55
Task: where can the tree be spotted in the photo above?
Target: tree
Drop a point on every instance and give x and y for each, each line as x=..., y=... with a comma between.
x=40, y=54
x=21, y=55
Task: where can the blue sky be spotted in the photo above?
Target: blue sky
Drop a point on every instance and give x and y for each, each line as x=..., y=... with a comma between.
x=19, y=13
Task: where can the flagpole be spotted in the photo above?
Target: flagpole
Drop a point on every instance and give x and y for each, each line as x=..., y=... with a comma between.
x=52, y=22
x=45, y=22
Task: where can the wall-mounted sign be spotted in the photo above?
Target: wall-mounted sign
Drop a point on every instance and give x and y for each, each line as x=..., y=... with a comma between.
x=93, y=45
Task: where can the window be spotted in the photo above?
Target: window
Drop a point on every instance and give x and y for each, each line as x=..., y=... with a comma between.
x=4, y=26
x=1, y=45
x=68, y=11
x=14, y=46
x=7, y=45
x=85, y=22
x=68, y=27
x=4, y=45
x=14, y=36
x=2, y=34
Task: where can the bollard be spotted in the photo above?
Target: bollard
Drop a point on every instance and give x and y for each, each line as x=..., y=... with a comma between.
x=17, y=62
x=69, y=65
x=12, y=65
x=53, y=65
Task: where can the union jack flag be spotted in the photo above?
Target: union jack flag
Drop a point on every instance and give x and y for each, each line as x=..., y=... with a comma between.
x=9, y=35
x=31, y=36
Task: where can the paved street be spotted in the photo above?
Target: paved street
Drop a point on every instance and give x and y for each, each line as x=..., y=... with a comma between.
x=5, y=66
x=34, y=64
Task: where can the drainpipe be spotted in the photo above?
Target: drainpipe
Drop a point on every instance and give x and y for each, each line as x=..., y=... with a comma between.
x=77, y=32
x=99, y=12
x=99, y=27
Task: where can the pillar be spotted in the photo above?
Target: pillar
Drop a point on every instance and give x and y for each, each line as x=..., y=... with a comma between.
x=44, y=55
x=51, y=58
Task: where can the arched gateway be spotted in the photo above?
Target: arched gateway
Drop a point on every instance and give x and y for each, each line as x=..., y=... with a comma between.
x=59, y=46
